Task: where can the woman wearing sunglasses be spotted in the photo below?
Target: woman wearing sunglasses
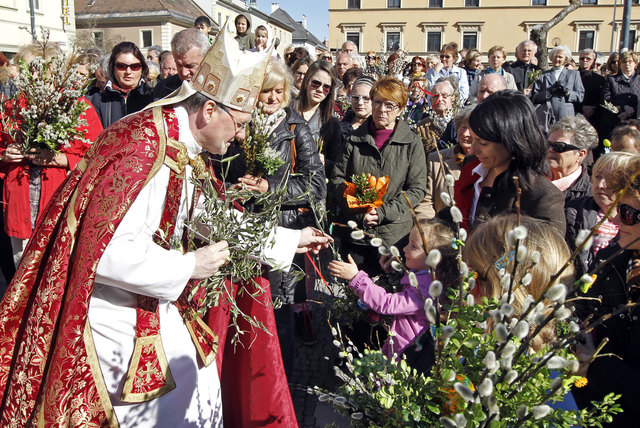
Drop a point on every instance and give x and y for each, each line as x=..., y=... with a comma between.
x=617, y=368
x=383, y=146
x=446, y=67
x=570, y=141
x=586, y=212
x=126, y=91
x=315, y=105
x=507, y=142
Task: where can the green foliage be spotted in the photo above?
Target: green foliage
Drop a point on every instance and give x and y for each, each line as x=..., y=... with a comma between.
x=366, y=192
x=261, y=159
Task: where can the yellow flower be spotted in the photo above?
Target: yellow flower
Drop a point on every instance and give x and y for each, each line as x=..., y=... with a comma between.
x=581, y=382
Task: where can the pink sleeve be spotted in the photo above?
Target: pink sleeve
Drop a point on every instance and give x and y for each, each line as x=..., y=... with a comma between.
x=405, y=302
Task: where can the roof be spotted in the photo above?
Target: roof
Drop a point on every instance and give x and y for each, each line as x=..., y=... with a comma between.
x=300, y=34
x=179, y=10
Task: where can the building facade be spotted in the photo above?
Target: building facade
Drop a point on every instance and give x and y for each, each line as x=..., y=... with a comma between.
x=15, y=20
x=421, y=27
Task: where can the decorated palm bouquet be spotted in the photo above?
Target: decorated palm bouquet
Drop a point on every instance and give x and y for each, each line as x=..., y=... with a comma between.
x=365, y=190
x=261, y=159
x=46, y=110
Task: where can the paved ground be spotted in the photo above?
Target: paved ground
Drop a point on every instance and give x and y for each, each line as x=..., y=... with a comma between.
x=313, y=366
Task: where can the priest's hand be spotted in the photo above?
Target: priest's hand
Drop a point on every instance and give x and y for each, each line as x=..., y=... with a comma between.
x=312, y=240
x=209, y=259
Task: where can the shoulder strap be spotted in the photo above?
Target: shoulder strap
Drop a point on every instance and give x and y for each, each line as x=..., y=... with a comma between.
x=293, y=147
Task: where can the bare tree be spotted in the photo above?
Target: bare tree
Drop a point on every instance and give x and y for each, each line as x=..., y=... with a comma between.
x=540, y=32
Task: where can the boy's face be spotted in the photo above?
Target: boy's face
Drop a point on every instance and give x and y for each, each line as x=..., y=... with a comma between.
x=241, y=25
x=204, y=28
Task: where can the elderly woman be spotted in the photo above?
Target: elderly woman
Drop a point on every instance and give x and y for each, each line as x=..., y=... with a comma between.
x=558, y=88
x=497, y=56
x=570, y=141
x=586, y=212
x=383, y=146
x=448, y=161
x=436, y=127
x=507, y=143
x=414, y=112
x=360, y=106
x=617, y=368
x=126, y=90
x=472, y=64
x=292, y=139
x=623, y=91
x=446, y=67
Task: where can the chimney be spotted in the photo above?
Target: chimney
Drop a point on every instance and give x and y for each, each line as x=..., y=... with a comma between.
x=274, y=7
x=304, y=21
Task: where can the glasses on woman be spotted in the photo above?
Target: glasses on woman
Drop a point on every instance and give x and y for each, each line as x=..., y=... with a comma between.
x=315, y=84
x=388, y=105
x=299, y=74
x=416, y=64
x=561, y=147
x=121, y=66
x=445, y=56
x=357, y=98
x=372, y=57
x=628, y=215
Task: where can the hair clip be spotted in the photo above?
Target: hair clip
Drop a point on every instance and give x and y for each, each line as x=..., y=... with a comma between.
x=457, y=243
x=502, y=261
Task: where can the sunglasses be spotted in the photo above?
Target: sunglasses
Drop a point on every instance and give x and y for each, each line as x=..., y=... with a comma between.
x=357, y=98
x=628, y=216
x=445, y=56
x=316, y=84
x=561, y=147
x=122, y=66
x=372, y=57
x=417, y=63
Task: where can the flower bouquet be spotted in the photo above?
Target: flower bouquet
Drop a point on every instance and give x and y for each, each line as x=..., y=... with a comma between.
x=532, y=77
x=261, y=159
x=365, y=191
x=46, y=110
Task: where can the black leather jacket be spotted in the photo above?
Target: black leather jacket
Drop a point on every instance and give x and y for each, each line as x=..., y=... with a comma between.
x=112, y=106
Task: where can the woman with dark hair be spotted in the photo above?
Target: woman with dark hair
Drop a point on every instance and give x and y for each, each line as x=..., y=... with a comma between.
x=126, y=91
x=295, y=55
x=299, y=69
x=383, y=146
x=622, y=90
x=507, y=142
x=315, y=105
x=613, y=64
x=418, y=67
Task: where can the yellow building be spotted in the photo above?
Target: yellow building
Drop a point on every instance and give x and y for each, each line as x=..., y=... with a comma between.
x=423, y=26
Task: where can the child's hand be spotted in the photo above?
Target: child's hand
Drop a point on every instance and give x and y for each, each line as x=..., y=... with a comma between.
x=344, y=270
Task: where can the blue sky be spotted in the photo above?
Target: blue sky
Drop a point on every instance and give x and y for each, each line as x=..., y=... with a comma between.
x=317, y=12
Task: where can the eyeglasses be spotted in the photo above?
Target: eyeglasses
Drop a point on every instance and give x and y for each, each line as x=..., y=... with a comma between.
x=628, y=216
x=299, y=74
x=371, y=57
x=121, y=66
x=357, y=98
x=315, y=84
x=327, y=57
x=445, y=56
x=388, y=105
x=443, y=96
x=237, y=126
x=417, y=63
x=586, y=58
x=561, y=147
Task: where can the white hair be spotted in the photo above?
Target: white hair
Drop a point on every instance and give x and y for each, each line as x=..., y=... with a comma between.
x=565, y=49
x=525, y=43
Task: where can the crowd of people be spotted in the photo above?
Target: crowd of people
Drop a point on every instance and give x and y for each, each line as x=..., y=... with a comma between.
x=552, y=144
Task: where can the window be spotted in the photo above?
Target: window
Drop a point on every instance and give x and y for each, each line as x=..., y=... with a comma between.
x=353, y=4
x=586, y=39
x=220, y=19
x=632, y=40
x=469, y=40
x=471, y=3
x=147, y=38
x=435, y=3
x=98, y=39
x=393, y=3
x=355, y=38
x=538, y=2
x=393, y=41
x=590, y=2
x=434, y=41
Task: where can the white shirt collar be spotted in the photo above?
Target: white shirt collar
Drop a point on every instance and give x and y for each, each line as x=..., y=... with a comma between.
x=186, y=137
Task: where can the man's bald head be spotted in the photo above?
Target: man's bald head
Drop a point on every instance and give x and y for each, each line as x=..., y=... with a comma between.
x=343, y=63
x=490, y=84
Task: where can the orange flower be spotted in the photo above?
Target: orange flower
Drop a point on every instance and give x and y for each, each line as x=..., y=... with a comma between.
x=378, y=185
x=581, y=382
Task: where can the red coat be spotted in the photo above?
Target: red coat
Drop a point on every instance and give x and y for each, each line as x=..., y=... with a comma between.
x=17, y=210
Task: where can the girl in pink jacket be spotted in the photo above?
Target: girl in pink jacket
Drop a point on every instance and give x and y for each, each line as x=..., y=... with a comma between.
x=407, y=305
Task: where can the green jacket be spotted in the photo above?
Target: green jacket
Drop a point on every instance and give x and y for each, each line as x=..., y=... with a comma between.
x=402, y=158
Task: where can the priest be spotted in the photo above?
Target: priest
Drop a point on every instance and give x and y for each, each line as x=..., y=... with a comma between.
x=97, y=328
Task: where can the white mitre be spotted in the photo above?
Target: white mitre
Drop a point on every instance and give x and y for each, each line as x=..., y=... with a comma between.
x=227, y=75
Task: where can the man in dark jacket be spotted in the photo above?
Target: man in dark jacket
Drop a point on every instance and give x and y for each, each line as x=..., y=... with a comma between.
x=188, y=47
x=521, y=68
